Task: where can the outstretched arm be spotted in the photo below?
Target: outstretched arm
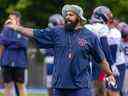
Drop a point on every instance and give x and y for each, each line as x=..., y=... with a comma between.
x=23, y=30
x=42, y=37
x=11, y=23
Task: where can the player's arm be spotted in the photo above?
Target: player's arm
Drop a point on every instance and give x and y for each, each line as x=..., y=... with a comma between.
x=23, y=30
x=105, y=67
x=11, y=23
x=100, y=58
x=42, y=37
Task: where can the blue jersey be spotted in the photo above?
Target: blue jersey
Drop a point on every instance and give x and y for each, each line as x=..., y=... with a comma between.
x=72, y=51
x=15, y=48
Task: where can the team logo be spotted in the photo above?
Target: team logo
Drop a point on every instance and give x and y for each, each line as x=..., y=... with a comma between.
x=82, y=42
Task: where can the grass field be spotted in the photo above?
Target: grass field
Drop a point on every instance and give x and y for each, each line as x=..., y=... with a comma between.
x=37, y=95
x=30, y=94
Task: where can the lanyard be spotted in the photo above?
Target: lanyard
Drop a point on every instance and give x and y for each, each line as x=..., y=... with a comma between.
x=71, y=40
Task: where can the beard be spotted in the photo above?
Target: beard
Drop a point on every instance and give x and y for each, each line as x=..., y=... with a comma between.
x=70, y=26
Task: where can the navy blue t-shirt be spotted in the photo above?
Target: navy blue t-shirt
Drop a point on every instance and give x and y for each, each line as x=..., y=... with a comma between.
x=73, y=52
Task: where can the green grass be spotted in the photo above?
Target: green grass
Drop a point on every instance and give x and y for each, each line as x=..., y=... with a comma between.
x=1, y=94
x=37, y=95
x=30, y=94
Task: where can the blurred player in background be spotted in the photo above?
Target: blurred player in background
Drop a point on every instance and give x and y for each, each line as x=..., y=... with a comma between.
x=54, y=21
x=114, y=40
x=14, y=57
x=123, y=68
x=98, y=26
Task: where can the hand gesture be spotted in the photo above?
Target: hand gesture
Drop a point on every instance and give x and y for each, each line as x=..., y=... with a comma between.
x=111, y=81
x=10, y=21
x=115, y=70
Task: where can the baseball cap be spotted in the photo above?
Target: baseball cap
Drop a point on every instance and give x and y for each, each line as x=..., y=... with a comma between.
x=55, y=19
x=100, y=14
x=75, y=8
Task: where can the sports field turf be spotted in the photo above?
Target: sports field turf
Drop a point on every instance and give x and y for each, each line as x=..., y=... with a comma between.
x=37, y=95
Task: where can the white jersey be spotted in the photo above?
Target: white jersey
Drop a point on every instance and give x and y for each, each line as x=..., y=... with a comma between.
x=114, y=38
x=99, y=29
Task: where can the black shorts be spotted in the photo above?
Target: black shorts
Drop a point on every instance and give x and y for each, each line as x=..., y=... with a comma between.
x=13, y=74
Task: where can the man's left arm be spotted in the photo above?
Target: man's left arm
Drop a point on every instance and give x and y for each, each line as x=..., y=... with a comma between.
x=105, y=67
x=99, y=57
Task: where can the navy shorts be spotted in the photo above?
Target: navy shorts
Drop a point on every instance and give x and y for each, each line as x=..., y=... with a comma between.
x=13, y=74
x=72, y=92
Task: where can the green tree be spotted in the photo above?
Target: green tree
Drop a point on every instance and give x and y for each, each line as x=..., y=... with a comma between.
x=36, y=12
x=118, y=7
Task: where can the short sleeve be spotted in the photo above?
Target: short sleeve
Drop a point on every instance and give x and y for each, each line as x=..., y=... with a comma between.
x=43, y=38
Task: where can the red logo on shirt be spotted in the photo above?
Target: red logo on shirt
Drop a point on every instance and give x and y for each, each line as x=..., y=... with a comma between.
x=82, y=42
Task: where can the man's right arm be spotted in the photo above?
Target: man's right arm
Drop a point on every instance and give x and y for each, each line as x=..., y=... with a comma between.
x=43, y=37
x=23, y=30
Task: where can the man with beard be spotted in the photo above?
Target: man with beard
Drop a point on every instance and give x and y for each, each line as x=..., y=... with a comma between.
x=74, y=46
